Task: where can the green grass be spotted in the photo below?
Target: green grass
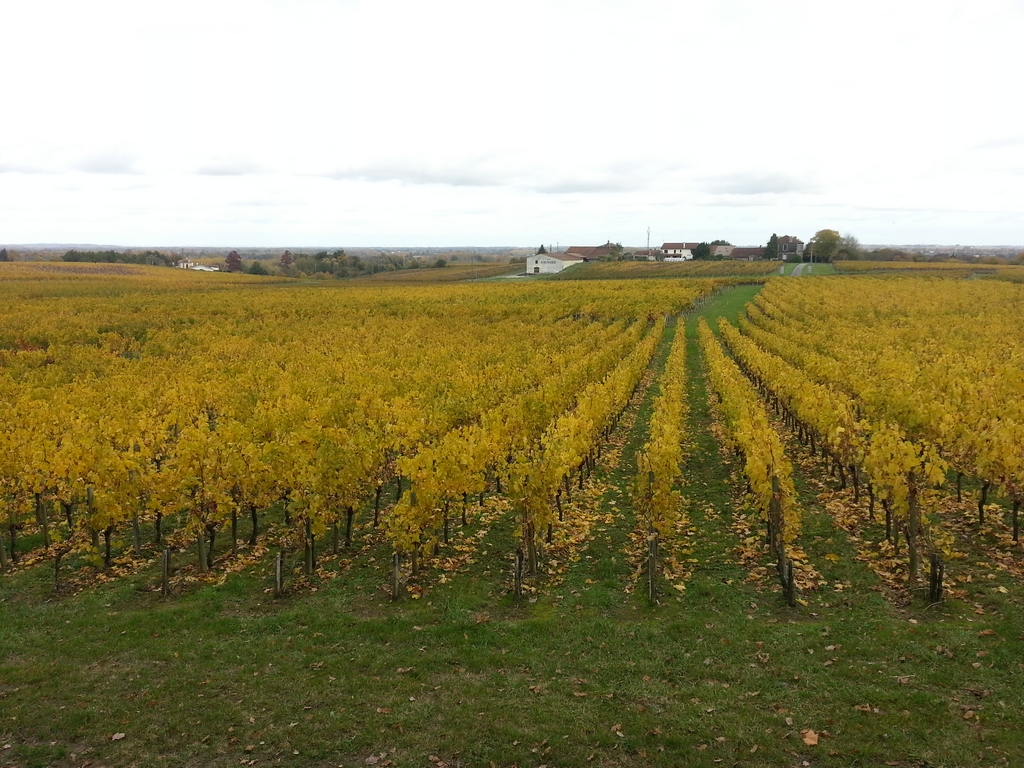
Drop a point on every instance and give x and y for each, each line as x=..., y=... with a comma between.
x=820, y=269
x=810, y=269
x=222, y=674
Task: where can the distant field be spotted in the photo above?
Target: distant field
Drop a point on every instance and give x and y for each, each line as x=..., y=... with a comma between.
x=451, y=274
x=1011, y=272
x=57, y=278
x=620, y=270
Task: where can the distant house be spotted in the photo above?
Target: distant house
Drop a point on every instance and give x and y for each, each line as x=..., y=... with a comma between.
x=195, y=266
x=790, y=247
x=550, y=263
x=589, y=252
x=647, y=253
x=746, y=254
x=678, y=251
x=722, y=251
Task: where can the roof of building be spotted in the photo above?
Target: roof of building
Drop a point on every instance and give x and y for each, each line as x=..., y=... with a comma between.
x=588, y=251
x=678, y=246
x=790, y=239
x=746, y=253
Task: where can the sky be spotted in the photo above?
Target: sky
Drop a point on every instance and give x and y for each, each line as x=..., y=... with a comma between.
x=306, y=123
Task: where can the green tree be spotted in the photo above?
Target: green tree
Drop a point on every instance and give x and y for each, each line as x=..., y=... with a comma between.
x=257, y=269
x=233, y=262
x=720, y=242
x=3, y=254
x=702, y=251
x=771, y=251
x=849, y=248
x=542, y=250
x=440, y=263
x=825, y=245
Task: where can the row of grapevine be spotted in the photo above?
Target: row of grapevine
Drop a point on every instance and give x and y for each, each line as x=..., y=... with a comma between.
x=141, y=399
x=213, y=459
x=895, y=468
x=767, y=469
x=456, y=467
x=657, y=503
x=538, y=476
x=939, y=359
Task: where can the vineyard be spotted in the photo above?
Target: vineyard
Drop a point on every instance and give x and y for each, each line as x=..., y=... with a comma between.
x=666, y=521
x=958, y=269
x=631, y=270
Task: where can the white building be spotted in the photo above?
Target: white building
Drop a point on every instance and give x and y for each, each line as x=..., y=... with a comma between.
x=550, y=263
x=678, y=251
x=195, y=265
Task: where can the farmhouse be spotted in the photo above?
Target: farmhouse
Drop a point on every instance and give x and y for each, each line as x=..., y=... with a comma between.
x=746, y=254
x=678, y=251
x=651, y=254
x=195, y=266
x=589, y=252
x=790, y=247
x=550, y=263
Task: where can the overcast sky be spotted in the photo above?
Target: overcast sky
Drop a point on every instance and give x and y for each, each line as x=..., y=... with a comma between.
x=499, y=123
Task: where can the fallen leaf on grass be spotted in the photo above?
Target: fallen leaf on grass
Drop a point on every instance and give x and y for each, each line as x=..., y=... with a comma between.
x=117, y=737
x=810, y=738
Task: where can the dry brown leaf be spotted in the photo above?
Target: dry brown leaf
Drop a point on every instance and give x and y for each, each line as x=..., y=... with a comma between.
x=810, y=738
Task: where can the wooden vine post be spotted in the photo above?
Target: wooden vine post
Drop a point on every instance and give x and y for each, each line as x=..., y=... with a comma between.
x=396, y=576
x=165, y=572
x=279, y=574
x=938, y=570
x=201, y=543
x=42, y=520
x=790, y=584
x=652, y=565
x=786, y=571
x=913, y=523
x=518, y=578
x=310, y=559
x=136, y=536
x=775, y=532
x=90, y=501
